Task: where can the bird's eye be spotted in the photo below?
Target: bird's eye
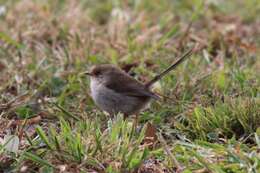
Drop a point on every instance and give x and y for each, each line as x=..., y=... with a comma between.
x=96, y=72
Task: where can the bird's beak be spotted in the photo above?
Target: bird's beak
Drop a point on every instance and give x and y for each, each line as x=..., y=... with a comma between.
x=85, y=73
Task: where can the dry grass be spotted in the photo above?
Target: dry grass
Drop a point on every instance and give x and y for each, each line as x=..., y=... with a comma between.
x=210, y=118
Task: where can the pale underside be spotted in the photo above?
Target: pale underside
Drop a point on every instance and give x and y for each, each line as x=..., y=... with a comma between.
x=114, y=102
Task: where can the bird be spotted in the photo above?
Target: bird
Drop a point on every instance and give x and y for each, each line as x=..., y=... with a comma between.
x=114, y=91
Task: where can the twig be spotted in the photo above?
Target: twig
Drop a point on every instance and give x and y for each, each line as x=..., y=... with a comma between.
x=167, y=150
x=13, y=101
x=65, y=112
x=203, y=42
x=30, y=121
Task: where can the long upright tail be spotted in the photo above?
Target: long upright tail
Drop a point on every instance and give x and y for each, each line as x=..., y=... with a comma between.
x=173, y=66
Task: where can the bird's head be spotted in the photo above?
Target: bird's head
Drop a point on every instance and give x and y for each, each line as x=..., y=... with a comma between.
x=102, y=72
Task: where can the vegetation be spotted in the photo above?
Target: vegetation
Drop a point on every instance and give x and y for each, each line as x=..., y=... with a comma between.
x=208, y=118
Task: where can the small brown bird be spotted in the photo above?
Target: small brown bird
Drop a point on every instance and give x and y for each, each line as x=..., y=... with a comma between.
x=115, y=91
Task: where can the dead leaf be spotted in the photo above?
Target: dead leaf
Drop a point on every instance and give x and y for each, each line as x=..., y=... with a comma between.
x=248, y=47
x=150, y=135
x=34, y=120
x=2, y=66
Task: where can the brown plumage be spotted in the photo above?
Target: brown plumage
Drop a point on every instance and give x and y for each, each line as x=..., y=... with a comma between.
x=115, y=91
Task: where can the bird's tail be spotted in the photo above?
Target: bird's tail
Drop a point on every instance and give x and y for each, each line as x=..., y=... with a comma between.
x=173, y=66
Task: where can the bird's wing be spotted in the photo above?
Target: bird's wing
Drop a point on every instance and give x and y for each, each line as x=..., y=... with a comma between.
x=129, y=86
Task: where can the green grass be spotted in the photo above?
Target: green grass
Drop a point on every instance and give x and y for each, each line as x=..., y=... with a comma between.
x=209, y=115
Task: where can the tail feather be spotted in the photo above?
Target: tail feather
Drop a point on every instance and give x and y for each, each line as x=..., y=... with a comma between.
x=173, y=66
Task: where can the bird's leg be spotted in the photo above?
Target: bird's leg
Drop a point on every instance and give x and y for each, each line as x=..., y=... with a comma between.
x=125, y=116
x=135, y=123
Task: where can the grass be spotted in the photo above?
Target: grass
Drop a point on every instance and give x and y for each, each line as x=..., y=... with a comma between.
x=209, y=115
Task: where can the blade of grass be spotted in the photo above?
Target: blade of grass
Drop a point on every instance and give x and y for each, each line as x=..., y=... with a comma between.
x=9, y=40
x=65, y=112
x=43, y=136
x=37, y=159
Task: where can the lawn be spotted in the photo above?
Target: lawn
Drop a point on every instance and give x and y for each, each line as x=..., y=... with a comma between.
x=208, y=117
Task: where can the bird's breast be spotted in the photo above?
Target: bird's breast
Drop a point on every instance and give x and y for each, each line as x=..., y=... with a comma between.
x=104, y=97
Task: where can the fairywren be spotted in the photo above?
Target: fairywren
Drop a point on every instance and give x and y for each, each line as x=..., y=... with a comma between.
x=114, y=91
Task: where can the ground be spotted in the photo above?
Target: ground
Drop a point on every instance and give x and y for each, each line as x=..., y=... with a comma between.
x=208, y=117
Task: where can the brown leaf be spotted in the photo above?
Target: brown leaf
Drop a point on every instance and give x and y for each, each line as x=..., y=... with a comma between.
x=248, y=47
x=2, y=66
x=150, y=135
x=34, y=120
